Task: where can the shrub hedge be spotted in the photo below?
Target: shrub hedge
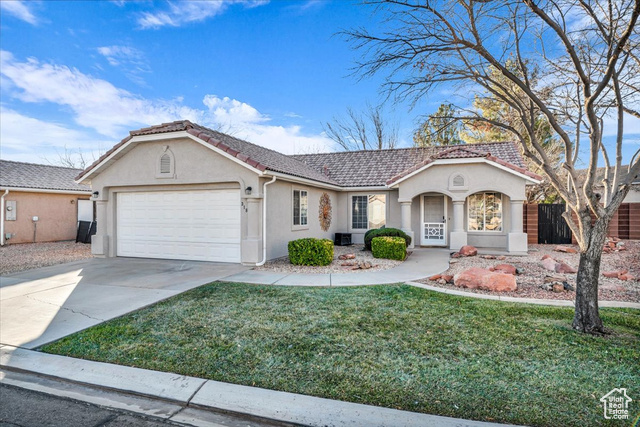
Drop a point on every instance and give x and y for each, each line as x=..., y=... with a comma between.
x=389, y=248
x=311, y=251
x=380, y=232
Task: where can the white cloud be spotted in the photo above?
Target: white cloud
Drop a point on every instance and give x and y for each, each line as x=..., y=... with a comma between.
x=99, y=105
x=180, y=13
x=129, y=59
x=95, y=103
x=20, y=10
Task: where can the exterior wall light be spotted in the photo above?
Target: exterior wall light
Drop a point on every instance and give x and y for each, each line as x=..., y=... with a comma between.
x=247, y=191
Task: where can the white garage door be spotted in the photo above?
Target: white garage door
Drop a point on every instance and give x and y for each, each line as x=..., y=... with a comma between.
x=190, y=225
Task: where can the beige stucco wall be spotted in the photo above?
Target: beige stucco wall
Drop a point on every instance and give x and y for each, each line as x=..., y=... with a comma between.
x=57, y=216
x=344, y=215
x=479, y=177
x=280, y=228
x=633, y=196
x=196, y=167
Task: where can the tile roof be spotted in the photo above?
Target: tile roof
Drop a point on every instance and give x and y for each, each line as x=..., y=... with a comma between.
x=46, y=177
x=347, y=169
x=377, y=167
x=624, y=171
x=256, y=156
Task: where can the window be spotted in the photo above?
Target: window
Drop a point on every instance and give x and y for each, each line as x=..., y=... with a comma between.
x=300, y=207
x=368, y=211
x=485, y=212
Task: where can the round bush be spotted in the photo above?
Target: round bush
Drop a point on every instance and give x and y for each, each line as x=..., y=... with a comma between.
x=381, y=232
x=311, y=251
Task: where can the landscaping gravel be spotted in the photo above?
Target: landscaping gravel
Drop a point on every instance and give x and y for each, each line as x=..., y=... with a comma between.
x=282, y=265
x=26, y=256
x=529, y=283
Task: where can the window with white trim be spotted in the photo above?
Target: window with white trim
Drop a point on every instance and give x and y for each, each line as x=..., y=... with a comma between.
x=368, y=211
x=484, y=212
x=300, y=207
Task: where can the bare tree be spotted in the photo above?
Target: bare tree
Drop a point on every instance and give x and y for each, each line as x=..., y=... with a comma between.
x=362, y=131
x=70, y=158
x=587, y=51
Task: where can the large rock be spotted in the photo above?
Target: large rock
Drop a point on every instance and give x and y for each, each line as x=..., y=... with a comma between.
x=505, y=268
x=565, y=249
x=549, y=264
x=468, y=250
x=564, y=268
x=480, y=278
x=614, y=274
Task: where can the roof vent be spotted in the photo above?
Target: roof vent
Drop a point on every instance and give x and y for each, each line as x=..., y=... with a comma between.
x=458, y=181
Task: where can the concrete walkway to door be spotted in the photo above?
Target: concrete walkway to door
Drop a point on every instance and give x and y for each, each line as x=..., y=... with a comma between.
x=43, y=305
x=422, y=263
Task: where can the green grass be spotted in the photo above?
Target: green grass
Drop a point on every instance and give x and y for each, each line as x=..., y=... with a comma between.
x=394, y=346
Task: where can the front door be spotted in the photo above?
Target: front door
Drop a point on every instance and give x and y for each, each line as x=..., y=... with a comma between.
x=434, y=223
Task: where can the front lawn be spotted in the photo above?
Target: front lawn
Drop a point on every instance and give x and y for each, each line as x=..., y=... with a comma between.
x=394, y=346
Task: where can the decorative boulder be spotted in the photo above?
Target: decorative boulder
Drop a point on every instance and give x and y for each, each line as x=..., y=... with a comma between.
x=468, y=250
x=563, y=268
x=565, y=249
x=480, y=278
x=626, y=276
x=435, y=277
x=614, y=274
x=505, y=268
x=447, y=278
x=549, y=264
x=347, y=256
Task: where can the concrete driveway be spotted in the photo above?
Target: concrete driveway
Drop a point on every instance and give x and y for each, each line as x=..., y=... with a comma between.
x=43, y=305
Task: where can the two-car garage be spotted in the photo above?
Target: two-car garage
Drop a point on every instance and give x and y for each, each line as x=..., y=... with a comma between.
x=200, y=225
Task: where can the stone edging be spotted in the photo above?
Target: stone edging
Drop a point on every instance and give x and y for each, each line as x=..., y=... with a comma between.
x=538, y=301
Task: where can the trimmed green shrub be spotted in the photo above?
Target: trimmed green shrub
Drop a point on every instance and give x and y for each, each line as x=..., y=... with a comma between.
x=389, y=248
x=311, y=251
x=380, y=232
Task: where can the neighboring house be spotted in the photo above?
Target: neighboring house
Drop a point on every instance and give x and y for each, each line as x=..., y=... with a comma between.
x=182, y=191
x=41, y=203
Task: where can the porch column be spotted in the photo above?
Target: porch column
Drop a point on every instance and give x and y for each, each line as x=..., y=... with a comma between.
x=406, y=221
x=458, y=235
x=100, y=240
x=516, y=239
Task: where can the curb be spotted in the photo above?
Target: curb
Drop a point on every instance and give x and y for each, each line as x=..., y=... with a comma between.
x=258, y=403
x=537, y=301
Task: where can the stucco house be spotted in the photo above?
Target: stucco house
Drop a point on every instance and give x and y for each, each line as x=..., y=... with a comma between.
x=41, y=203
x=182, y=191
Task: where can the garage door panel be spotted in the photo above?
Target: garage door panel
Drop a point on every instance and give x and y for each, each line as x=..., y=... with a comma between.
x=195, y=225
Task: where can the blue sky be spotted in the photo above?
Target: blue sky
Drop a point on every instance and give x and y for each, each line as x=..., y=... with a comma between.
x=82, y=74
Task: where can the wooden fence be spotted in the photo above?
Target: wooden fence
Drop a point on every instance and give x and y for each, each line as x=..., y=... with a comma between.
x=625, y=224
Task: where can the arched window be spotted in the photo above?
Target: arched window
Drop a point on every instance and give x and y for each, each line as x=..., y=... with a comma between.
x=165, y=164
x=484, y=212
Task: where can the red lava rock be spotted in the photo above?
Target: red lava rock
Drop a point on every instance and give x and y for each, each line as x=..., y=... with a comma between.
x=348, y=264
x=614, y=274
x=480, y=278
x=626, y=277
x=564, y=268
x=546, y=257
x=456, y=255
x=488, y=256
x=505, y=268
x=612, y=245
x=501, y=258
x=549, y=264
x=468, y=250
x=347, y=256
x=448, y=277
x=435, y=277
x=557, y=288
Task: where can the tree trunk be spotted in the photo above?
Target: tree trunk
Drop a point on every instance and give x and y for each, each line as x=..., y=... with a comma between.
x=587, y=317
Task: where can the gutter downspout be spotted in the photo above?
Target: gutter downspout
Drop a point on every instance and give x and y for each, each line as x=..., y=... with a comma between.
x=264, y=222
x=2, y=217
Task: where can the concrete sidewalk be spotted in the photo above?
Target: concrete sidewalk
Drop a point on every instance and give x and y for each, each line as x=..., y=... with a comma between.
x=422, y=263
x=189, y=392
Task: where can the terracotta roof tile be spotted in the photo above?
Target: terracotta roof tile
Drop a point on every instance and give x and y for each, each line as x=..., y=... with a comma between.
x=346, y=169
